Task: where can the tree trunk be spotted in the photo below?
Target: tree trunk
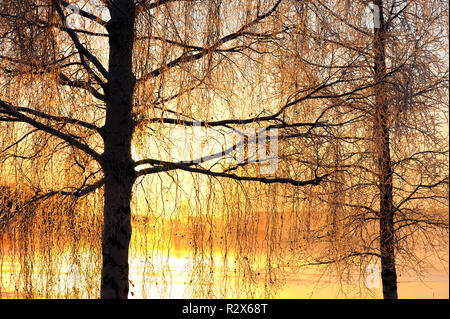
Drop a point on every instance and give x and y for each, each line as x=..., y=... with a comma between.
x=382, y=145
x=117, y=161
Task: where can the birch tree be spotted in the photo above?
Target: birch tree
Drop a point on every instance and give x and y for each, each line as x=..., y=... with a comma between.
x=391, y=197
x=93, y=82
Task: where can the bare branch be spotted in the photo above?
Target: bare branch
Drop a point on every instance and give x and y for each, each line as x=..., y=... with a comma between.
x=12, y=111
x=186, y=57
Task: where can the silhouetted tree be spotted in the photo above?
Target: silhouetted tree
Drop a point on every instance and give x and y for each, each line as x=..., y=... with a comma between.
x=390, y=57
x=84, y=79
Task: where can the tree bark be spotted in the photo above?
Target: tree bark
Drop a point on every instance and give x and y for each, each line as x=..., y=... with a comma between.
x=117, y=161
x=383, y=158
